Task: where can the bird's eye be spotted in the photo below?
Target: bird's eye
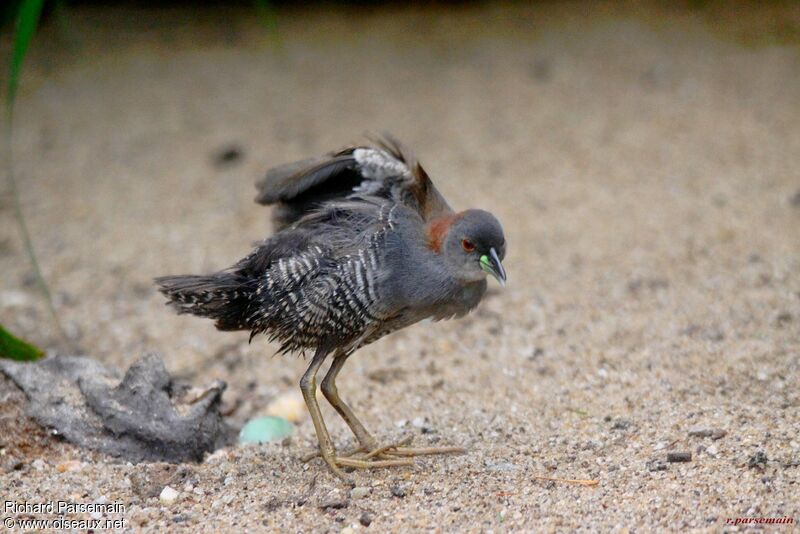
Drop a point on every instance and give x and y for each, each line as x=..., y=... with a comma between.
x=467, y=245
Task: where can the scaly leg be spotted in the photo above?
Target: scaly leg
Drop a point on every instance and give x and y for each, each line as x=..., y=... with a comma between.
x=331, y=393
x=367, y=443
x=308, y=385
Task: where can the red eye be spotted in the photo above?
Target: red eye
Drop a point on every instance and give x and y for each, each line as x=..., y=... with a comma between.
x=467, y=245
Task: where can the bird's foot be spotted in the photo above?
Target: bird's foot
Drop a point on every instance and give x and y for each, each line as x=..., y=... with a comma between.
x=397, y=454
x=350, y=459
x=401, y=449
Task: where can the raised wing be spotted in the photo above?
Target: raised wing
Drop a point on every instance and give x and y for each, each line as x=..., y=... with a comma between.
x=383, y=169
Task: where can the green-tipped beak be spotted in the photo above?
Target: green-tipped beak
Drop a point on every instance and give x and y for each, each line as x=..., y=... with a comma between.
x=491, y=264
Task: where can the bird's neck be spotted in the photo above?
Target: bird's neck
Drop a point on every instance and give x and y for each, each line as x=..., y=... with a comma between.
x=437, y=229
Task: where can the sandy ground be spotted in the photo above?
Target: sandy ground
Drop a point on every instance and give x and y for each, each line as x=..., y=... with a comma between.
x=644, y=162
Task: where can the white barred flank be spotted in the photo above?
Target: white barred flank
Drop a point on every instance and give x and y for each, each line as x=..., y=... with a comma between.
x=318, y=294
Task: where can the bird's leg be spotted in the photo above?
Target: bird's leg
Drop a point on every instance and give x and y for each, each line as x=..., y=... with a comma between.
x=331, y=393
x=369, y=444
x=308, y=385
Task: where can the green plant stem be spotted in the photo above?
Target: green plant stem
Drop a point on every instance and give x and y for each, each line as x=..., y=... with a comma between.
x=27, y=20
x=25, y=233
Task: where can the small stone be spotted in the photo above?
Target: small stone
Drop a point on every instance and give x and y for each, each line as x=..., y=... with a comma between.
x=398, y=492
x=360, y=492
x=501, y=467
x=400, y=423
x=168, y=495
x=418, y=422
x=10, y=299
x=347, y=530
x=71, y=465
x=217, y=456
x=228, y=155
x=794, y=200
x=333, y=501
x=289, y=406
x=656, y=465
x=712, y=450
x=659, y=446
x=14, y=465
x=39, y=464
x=674, y=457
x=265, y=429
x=758, y=460
x=621, y=424
x=365, y=519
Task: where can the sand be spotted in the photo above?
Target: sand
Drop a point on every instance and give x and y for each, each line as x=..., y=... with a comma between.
x=643, y=160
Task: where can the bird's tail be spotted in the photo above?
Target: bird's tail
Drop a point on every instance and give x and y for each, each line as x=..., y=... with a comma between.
x=225, y=297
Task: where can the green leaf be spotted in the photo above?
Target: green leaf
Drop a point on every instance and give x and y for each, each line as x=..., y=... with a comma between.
x=27, y=20
x=16, y=349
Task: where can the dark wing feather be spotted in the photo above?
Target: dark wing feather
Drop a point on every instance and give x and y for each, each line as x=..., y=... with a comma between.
x=385, y=169
x=285, y=183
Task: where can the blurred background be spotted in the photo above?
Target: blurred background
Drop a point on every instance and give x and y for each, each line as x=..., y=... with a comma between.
x=597, y=131
x=644, y=158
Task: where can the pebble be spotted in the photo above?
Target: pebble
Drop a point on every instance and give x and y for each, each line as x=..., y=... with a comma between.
x=398, y=492
x=217, y=456
x=265, y=429
x=673, y=457
x=712, y=450
x=71, y=465
x=360, y=492
x=759, y=459
x=168, y=495
x=10, y=299
x=656, y=465
x=418, y=422
x=365, y=519
x=39, y=464
x=289, y=406
x=621, y=424
x=501, y=466
x=228, y=155
x=333, y=500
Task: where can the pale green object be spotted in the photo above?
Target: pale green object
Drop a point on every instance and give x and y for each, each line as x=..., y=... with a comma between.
x=265, y=429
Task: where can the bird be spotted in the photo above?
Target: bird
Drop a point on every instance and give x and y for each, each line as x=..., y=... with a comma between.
x=364, y=245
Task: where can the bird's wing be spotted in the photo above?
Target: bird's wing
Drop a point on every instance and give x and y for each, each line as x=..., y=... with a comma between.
x=384, y=169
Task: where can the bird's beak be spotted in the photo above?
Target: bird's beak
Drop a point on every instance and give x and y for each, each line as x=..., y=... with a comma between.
x=491, y=264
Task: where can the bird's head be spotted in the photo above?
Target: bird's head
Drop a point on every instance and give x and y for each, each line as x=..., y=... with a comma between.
x=472, y=242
